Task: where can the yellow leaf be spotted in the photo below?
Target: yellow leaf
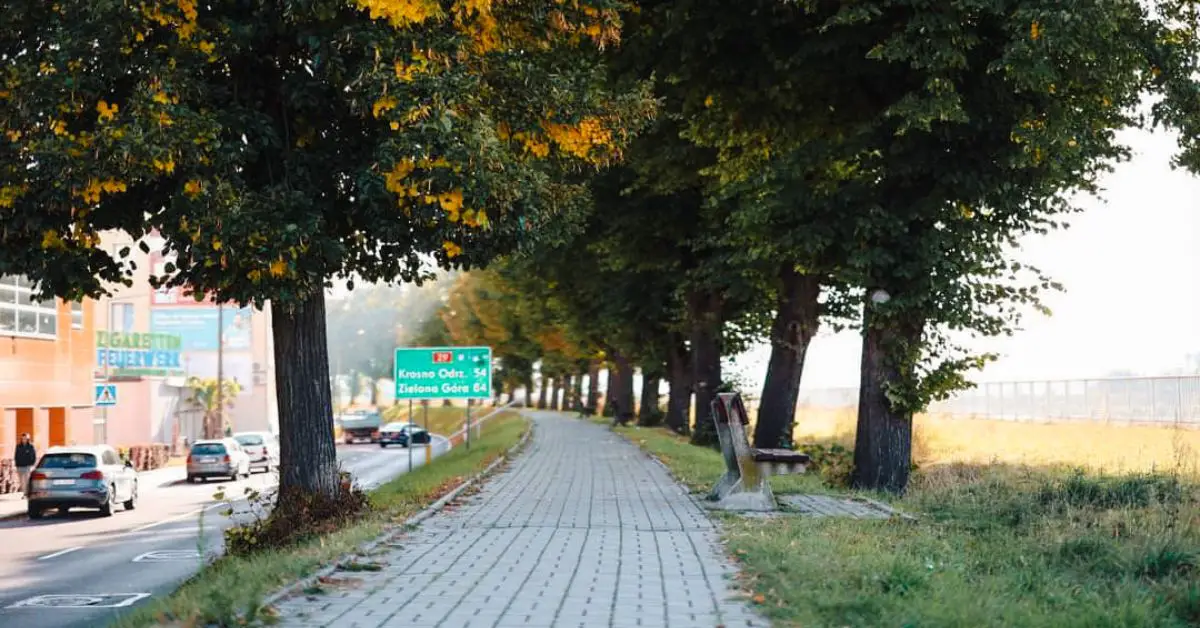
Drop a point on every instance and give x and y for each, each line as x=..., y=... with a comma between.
x=167, y=166
x=51, y=240
x=162, y=98
x=278, y=268
x=193, y=188
x=216, y=244
x=1035, y=31
x=452, y=249
x=708, y=101
x=383, y=105
x=760, y=598
x=106, y=111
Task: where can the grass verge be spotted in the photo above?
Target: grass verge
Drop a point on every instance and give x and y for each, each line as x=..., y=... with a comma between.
x=229, y=591
x=996, y=545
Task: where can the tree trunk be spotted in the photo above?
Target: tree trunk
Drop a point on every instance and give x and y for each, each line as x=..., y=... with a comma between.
x=796, y=322
x=648, y=413
x=556, y=393
x=623, y=409
x=593, y=389
x=705, y=314
x=609, y=385
x=679, y=376
x=307, y=455
x=541, y=405
x=577, y=393
x=529, y=392
x=883, y=437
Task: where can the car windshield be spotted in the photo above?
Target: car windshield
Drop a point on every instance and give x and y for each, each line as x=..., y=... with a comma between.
x=208, y=448
x=67, y=461
x=249, y=439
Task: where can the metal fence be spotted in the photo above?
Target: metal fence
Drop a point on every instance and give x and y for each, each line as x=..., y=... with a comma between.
x=1132, y=400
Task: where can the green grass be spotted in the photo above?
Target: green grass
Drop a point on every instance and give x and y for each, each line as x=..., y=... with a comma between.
x=233, y=587
x=994, y=545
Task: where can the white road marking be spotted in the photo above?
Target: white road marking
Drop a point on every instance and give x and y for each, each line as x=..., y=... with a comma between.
x=185, y=515
x=82, y=600
x=59, y=553
x=161, y=556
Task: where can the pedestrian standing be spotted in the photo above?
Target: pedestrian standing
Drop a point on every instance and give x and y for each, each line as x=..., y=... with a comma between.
x=25, y=459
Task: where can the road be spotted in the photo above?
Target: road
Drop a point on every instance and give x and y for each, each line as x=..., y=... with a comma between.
x=94, y=567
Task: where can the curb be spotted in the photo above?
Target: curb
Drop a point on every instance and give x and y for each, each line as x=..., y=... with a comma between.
x=416, y=519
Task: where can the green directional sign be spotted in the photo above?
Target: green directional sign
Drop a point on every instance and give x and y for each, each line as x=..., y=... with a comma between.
x=443, y=373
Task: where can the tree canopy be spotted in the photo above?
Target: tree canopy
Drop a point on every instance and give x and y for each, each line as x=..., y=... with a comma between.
x=278, y=146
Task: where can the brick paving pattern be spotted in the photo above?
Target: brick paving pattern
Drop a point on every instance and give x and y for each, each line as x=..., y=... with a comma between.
x=582, y=530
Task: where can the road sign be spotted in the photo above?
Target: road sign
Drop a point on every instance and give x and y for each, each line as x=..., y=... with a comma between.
x=443, y=373
x=106, y=395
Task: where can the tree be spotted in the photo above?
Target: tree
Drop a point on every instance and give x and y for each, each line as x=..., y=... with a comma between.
x=276, y=147
x=212, y=402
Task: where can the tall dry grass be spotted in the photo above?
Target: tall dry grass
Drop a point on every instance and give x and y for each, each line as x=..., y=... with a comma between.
x=1101, y=447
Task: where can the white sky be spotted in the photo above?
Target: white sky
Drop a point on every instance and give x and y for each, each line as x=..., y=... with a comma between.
x=1131, y=267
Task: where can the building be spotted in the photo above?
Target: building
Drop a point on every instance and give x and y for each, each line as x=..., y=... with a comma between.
x=163, y=338
x=46, y=355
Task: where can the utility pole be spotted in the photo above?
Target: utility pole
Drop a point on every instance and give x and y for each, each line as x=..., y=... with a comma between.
x=220, y=426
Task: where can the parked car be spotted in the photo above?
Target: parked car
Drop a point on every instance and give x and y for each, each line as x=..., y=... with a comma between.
x=262, y=447
x=401, y=434
x=218, y=457
x=82, y=477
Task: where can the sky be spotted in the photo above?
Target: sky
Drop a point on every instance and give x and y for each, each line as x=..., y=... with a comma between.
x=1130, y=264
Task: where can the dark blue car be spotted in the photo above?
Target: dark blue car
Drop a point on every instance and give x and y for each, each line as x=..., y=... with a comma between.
x=401, y=434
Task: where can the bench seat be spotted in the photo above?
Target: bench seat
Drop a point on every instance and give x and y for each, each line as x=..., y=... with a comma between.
x=786, y=456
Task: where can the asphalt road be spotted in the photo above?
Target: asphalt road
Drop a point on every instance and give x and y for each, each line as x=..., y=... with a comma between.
x=90, y=568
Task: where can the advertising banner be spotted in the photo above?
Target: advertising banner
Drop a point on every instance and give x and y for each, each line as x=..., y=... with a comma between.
x=137, y=353
x=198, y=328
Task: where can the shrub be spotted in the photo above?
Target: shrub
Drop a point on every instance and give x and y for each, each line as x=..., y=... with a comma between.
x=834, y=463
x=302, y=517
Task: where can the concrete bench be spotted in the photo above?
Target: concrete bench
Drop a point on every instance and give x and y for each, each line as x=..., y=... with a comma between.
x=745, y=484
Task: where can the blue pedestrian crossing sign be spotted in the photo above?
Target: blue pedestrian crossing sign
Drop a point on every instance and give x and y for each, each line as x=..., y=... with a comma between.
x=106, y=395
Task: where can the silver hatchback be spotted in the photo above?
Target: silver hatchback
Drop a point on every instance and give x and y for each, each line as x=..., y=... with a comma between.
x=218, y=457
x=81, y=477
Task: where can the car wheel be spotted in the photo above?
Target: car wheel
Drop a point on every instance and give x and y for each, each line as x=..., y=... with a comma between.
x=203, y=479
x=383, y=445
x=131, y=503
x=191, y=479
x=63, y=510
x=106, y=510
x=34, y=512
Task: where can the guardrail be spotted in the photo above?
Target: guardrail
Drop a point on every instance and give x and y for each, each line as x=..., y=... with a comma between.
x=1167, y=401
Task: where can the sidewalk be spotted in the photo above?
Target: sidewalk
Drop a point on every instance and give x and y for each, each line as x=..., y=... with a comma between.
x=582, y=530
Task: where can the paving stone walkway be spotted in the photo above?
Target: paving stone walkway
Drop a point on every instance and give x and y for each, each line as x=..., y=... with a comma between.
x=582, y=530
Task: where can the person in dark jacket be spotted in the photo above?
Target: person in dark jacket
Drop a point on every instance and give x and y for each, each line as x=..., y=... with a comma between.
x=24, y=460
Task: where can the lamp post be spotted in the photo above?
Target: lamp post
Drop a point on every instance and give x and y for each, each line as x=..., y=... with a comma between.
x=220, y=426
x=100, y=428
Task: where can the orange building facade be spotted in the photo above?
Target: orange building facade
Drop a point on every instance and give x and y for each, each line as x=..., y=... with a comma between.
x=47, y=354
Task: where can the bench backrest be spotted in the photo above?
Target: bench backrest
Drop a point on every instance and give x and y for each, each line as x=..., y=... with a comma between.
x=727, y=407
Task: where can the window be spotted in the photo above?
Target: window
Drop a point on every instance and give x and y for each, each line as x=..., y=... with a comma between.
x=21, y=314
x=120, y=317
x=76, y=314
x=67, y=461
